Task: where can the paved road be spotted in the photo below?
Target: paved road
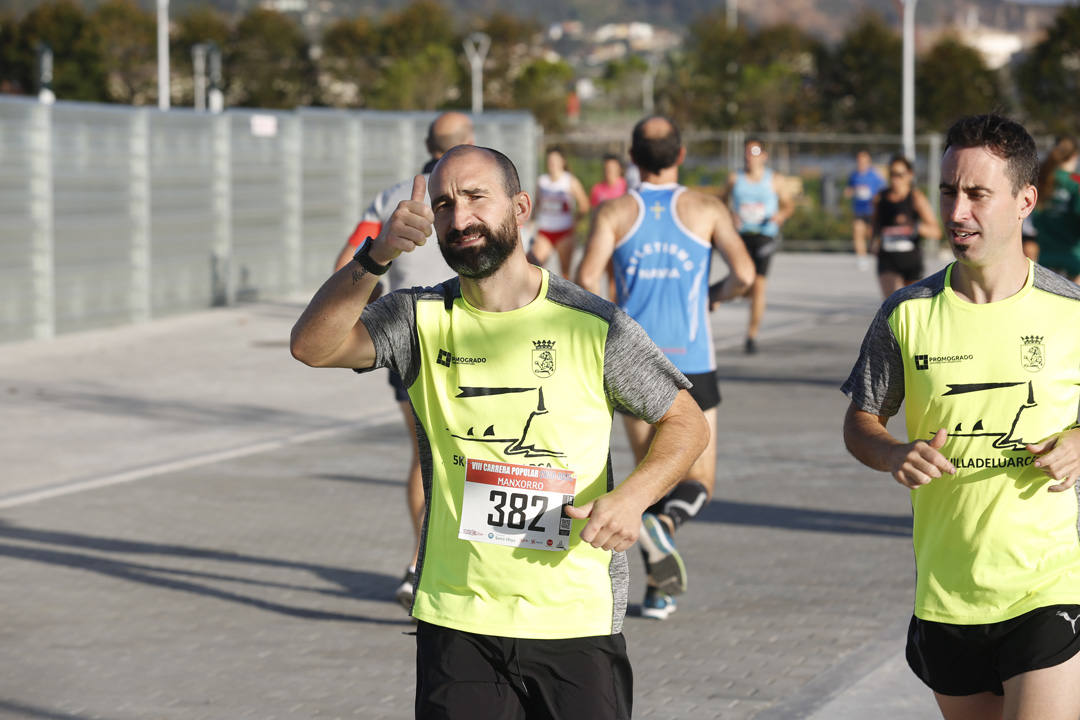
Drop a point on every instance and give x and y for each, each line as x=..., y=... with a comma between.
x=193, y=525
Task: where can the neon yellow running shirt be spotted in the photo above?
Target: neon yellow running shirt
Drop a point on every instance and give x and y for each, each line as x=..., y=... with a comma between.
x=513, y=414
x=990, y=542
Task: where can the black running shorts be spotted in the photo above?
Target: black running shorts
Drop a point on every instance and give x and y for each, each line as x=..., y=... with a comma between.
x=970, y=659
x=485, y=677
x=761, y=249
x=706, y=390
x=907, y=264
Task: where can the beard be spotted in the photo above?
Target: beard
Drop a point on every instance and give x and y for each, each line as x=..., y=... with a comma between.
x=480, y=261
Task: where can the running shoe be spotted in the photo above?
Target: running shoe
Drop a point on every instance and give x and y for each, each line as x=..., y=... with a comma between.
x=407, y=589
x=657, y=605
x=662, y=560
x=750, y=348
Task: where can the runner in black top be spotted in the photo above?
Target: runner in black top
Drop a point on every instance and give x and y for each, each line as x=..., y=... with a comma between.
x=902, y=216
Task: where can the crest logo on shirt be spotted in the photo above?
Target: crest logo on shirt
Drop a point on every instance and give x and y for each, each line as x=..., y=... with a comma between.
x=1032, y=353
x=543, y=358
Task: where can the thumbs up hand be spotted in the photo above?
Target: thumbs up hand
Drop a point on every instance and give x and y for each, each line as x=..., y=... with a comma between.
x=409, y=226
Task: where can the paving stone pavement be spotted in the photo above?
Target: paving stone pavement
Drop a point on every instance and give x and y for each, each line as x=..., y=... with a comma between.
x=193, y=525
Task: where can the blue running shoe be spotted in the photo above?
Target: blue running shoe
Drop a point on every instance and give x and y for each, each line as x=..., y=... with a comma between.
x=658, y=604
x=662, y=560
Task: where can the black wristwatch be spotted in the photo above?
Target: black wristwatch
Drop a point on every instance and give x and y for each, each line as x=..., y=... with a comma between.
x=363, y=256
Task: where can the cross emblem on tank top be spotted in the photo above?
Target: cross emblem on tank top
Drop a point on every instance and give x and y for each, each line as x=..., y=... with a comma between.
x=658, y=209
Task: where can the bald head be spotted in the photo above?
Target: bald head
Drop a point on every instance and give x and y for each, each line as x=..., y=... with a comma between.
x=448, y=130
x=655, y=144
x=508, y=175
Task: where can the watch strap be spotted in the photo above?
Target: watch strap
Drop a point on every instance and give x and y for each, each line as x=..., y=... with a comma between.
x=363, y=256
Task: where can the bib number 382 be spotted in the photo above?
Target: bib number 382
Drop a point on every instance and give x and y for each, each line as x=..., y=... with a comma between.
x=516, y=505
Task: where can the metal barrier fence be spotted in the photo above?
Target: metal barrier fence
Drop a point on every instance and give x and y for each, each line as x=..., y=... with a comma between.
x=111, y=215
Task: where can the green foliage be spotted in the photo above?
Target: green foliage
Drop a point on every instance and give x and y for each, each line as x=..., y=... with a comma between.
x=952, y=80
x=730, y=78
x=268, y=63
x=1048, y=80
x=420, y=24
x=861, y=83
x=542, y=88
x=349, y=65
x=11, y=76
x=509, y=52
x=128, y=39
x=424, y=80
x=78, y=66
x=196, y=26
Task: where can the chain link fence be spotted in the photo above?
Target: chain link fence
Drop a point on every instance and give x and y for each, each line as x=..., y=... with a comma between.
x=112, y=215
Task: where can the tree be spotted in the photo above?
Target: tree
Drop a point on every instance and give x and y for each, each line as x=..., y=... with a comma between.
x=422, y=23
x=952, y=80
x=1048, y=79
x=269, y=63
x=736, y=78
x=349, y=65
x=512, y=47
x=128, y=41
x=704, y=85
x=11, y=78
x=542, y=88
x=78, y=71
x=861, y=79
x=622, y=82
x=197, y=25
x=424, y=80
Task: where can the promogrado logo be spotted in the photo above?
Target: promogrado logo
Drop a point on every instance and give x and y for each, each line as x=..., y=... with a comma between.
x=446, y=359
x=923, y=361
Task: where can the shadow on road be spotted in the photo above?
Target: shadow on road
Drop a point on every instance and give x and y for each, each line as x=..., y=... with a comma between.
x=795, y=518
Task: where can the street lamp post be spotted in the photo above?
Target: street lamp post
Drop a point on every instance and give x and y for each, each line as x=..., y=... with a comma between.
x=476, y=50
x=198, y=60
x=163, y=53
x=908, y=110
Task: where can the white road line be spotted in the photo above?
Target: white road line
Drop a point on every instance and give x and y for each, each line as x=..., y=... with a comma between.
x=192, y=461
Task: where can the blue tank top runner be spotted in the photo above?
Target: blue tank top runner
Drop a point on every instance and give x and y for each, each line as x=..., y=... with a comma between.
x=756, y=203
x=662, y=279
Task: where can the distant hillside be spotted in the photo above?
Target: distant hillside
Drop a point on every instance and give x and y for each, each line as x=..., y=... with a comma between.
x=825, y=18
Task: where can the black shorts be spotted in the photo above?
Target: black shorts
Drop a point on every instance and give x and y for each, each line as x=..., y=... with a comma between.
x=485, y=677
x=761, y=249
x=908, y=264
x=867, y=218
x=970, y=659
x=400, y=393
x=706, y=390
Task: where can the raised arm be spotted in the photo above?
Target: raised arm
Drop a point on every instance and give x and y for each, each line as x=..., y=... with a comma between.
x=329, y=332
x=615, y=518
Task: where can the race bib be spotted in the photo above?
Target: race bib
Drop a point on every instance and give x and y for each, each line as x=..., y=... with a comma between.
x=898, y=238
x=863, y=192
x=752, y=213
x=516, y=505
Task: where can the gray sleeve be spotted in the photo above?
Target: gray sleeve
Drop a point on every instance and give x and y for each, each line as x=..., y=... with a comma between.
x=876, y=383
x=391, y=323
x=637, y=376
